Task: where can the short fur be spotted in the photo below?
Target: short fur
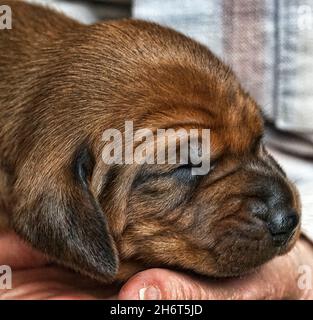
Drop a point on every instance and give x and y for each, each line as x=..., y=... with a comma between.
x=62, y=84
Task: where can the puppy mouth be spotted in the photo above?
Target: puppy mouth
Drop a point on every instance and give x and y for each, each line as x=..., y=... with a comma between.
x=281, y=241
x=243, y=252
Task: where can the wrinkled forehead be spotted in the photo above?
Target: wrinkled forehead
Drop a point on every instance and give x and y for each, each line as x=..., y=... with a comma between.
x=207, y=100
x=233, y=129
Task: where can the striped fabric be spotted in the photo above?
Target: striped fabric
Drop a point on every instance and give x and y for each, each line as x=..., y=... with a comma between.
x=269, y=44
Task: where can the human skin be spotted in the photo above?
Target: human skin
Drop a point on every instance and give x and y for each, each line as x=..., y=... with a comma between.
x=35, y=278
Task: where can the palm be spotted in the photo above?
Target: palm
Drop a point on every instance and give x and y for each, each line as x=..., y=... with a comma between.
x=34, y=278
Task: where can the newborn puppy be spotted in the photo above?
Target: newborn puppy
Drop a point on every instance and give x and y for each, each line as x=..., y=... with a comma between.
x=62, y=84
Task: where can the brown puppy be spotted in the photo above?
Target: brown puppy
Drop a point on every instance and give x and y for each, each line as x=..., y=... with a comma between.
x=62, y=84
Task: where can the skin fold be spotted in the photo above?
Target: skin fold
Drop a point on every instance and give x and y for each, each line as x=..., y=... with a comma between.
x=63, y=84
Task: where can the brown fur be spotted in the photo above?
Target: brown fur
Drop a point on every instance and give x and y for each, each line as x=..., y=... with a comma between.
x=62, y=84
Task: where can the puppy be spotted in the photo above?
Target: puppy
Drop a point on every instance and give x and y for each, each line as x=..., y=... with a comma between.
x=62, y=84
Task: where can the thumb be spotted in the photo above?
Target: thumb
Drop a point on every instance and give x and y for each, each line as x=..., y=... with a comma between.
x=269, y=282
x=163, y=284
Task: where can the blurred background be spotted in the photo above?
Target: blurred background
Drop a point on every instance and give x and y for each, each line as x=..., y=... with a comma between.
x=269, y=45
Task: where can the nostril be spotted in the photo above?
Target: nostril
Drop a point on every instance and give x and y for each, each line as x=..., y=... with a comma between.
x=293, y=220
x=282, y=223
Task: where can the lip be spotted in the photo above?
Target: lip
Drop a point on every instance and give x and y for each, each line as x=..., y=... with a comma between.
x=280, y=240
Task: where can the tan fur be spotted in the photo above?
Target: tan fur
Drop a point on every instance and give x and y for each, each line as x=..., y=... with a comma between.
x=62, y=84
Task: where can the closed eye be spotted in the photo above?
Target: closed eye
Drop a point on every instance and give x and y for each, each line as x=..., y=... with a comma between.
x=184, y=172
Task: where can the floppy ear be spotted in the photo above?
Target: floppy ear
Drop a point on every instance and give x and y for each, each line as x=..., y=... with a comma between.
x=62, y=218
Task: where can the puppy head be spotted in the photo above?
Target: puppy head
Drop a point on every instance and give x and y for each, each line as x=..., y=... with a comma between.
x=91, y=216
x=239, y=215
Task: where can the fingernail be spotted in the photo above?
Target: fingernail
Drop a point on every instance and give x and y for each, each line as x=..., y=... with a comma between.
x=149, y=293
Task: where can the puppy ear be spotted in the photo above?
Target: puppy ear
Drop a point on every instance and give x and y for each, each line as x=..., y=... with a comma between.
x=64, y=220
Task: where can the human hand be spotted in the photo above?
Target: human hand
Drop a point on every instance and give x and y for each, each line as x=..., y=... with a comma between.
x=278, y=279
x=35, y=278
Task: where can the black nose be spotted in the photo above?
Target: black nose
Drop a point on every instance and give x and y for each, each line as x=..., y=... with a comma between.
x=275, y=207
x=281, y=224
x=280, y=219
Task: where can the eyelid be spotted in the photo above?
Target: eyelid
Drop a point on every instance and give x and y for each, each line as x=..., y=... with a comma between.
x=213, y=164
x=144, y=177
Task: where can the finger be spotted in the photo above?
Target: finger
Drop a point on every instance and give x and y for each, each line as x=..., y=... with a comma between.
x=157, y=284
x=17, y=254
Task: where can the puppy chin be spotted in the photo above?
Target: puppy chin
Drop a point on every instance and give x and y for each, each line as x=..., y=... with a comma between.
x=237, y=257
